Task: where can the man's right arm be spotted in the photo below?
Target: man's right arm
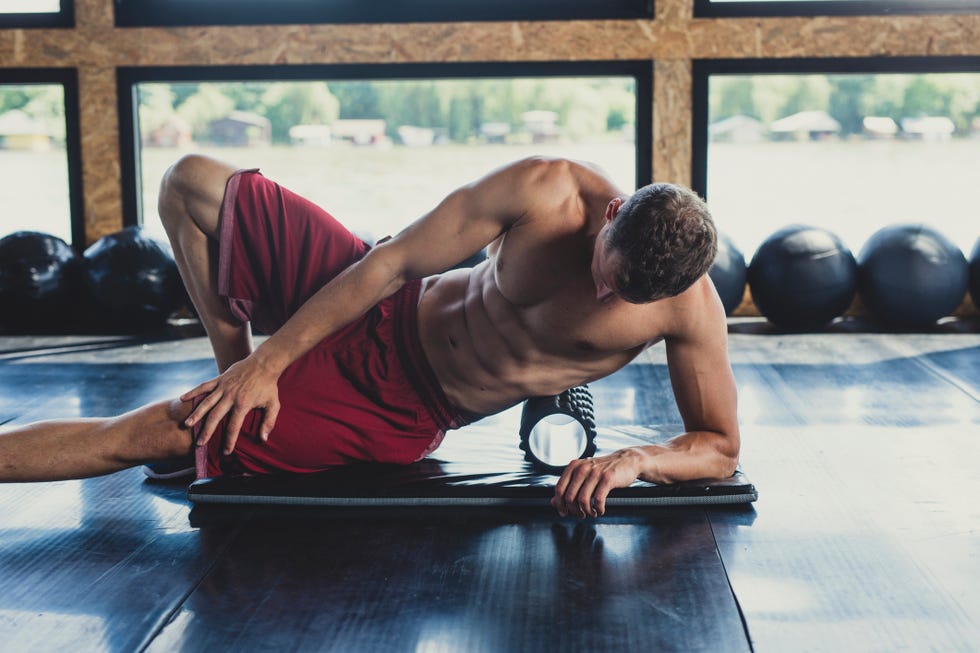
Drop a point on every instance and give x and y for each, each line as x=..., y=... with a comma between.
x=706, y=396
x=462, y=224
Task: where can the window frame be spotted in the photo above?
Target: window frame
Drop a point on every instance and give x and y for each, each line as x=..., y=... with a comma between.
x=68, y=79
x=64, y=17
x=145, y=13
x=749, y=8
x=129, y=77
x=703, y=69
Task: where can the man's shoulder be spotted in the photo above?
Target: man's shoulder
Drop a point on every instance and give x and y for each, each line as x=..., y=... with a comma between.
x=560, y=170
x=695, y=313
x=547, y=191
x=561, y=194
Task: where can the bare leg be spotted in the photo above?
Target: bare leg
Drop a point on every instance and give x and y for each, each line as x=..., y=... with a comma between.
x=190, y=203
x=80, y=448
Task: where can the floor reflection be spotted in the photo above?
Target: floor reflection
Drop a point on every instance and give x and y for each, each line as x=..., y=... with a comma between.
x=492, y=585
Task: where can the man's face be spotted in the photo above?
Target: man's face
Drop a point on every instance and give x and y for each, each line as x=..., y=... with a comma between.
x=605, y=263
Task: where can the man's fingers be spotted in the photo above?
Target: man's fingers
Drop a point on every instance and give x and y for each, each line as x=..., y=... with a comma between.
x=203, y=408
x=269, y=420
x=579, y=473
x=586, y=493
x=583, y=489
x=600, y=494
x=558, y=501
x=214, y=420
x=204, y=388
x=562, y=489
x=233, y=428
x=586, y=483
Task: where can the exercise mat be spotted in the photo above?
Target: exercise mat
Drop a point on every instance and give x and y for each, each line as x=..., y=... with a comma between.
x=475, y=466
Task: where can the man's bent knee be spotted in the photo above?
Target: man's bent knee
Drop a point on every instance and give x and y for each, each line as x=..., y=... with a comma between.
x=191, y=190
x=178, y=176
x=178, y=437
x=156, y=432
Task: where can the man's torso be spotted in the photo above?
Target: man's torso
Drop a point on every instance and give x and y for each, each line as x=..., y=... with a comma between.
x=526, y=321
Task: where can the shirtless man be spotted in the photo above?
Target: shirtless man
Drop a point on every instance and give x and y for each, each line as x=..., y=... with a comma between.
x=579, y=280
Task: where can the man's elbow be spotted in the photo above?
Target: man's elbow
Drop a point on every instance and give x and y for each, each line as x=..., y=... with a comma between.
x=724, y=447
x=386, y=265
x=727, y=446
x=728, y=466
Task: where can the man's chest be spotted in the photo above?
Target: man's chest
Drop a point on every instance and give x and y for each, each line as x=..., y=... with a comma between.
x=568, y=321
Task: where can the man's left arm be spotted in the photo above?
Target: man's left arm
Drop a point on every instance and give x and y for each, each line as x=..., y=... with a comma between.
x=704, y=389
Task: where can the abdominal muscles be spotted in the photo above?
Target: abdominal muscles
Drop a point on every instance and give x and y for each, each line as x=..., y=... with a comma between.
x=486, y=355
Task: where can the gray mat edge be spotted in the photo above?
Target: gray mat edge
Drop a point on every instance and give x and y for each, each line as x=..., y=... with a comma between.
x=360, y=502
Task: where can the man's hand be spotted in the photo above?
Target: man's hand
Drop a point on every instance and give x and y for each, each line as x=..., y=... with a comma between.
x=246, y=385
x=586, y=482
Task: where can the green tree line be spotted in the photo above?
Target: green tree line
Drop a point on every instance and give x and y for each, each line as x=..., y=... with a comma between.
x=43, y=102
x=849, y=98
x=586, y=107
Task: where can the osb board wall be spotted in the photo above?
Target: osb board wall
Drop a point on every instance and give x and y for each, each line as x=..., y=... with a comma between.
x=670, y=41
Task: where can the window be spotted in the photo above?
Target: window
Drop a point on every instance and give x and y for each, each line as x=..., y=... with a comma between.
x=850, y=146
x=721, y=8
x=39, y=154
x=246, y=12
x=37, y=13
x=377, y=150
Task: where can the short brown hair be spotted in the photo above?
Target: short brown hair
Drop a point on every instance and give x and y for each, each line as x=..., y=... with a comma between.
x=666, y=239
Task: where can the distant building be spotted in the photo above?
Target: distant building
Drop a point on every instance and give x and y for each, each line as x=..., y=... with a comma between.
x=361, y=132
x=173, y=132
x=541, y=125
x=737, y=129
x=310, y=135
x=416, y=136
x=928, y=128
x=19, y=131
x=241, y=129
x=805, y=125
x=495, y=132
x=879, y=127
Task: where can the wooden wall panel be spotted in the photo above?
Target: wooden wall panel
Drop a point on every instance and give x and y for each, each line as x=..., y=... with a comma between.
x=90, y=14
x=100, y=151
x=672, y=121
x=529, y=41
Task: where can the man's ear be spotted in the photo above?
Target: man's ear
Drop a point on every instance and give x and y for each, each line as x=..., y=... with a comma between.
x=613, y=208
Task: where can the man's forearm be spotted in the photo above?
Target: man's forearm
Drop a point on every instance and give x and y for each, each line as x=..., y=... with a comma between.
x=347, y=297
x=693, y=455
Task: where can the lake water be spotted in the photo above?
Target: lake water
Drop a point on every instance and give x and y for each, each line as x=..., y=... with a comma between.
x=850, y=188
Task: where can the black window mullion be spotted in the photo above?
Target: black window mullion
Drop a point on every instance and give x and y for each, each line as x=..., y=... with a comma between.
x=252, y=12
x=748, y=8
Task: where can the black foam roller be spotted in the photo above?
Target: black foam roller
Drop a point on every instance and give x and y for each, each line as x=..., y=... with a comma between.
x=576, y=403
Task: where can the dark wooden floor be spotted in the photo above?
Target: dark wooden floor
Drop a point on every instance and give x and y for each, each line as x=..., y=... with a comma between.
x=864, y=448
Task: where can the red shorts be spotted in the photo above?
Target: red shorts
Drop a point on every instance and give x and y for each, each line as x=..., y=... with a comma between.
x=365, y=393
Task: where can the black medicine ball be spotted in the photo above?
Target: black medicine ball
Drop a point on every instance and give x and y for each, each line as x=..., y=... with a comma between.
x=911, y=275
x=975, y=274
x=134, y=278
x=40, y=283
x=728, y=273
x=802, y=277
